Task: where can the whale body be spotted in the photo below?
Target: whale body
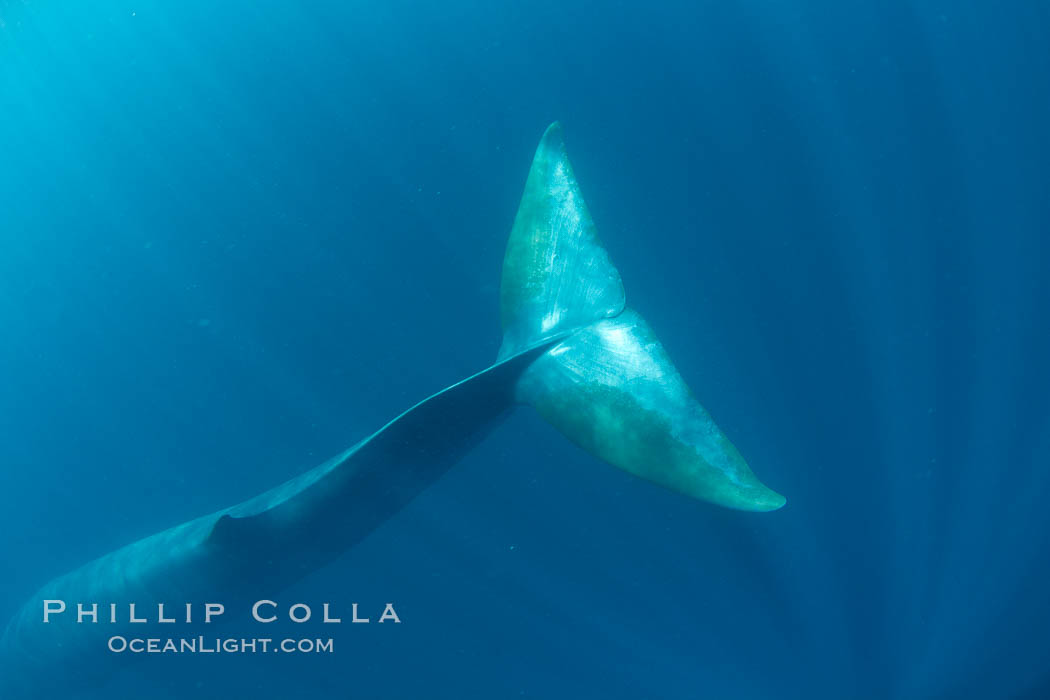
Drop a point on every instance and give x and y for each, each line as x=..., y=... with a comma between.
x=572, y=349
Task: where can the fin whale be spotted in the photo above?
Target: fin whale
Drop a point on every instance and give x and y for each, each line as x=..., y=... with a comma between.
x=572, y=349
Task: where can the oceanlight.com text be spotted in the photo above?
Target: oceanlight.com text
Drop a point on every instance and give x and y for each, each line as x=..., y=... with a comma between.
x=216, y=645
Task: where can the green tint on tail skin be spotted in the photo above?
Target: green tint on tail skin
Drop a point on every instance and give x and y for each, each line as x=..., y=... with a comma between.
x=612, y=389
x=609, y=386
x=556, y=275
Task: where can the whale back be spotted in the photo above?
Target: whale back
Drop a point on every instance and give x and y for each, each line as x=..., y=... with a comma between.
x=257, y=547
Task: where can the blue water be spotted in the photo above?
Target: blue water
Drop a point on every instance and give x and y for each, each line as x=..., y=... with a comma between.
x=236, y=237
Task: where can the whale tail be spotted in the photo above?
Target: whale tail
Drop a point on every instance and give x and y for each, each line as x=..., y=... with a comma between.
x=590, y=365
x=608, y=385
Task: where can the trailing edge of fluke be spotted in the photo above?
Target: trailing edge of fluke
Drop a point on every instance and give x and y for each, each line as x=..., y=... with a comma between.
x=572, y=349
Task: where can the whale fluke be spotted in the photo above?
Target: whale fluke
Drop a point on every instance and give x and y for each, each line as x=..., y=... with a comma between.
x=610, y=386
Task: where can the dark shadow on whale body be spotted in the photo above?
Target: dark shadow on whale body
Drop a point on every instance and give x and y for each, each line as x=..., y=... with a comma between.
x=256, y=548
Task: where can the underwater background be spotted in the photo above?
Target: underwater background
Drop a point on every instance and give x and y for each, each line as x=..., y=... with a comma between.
x=237, y=237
